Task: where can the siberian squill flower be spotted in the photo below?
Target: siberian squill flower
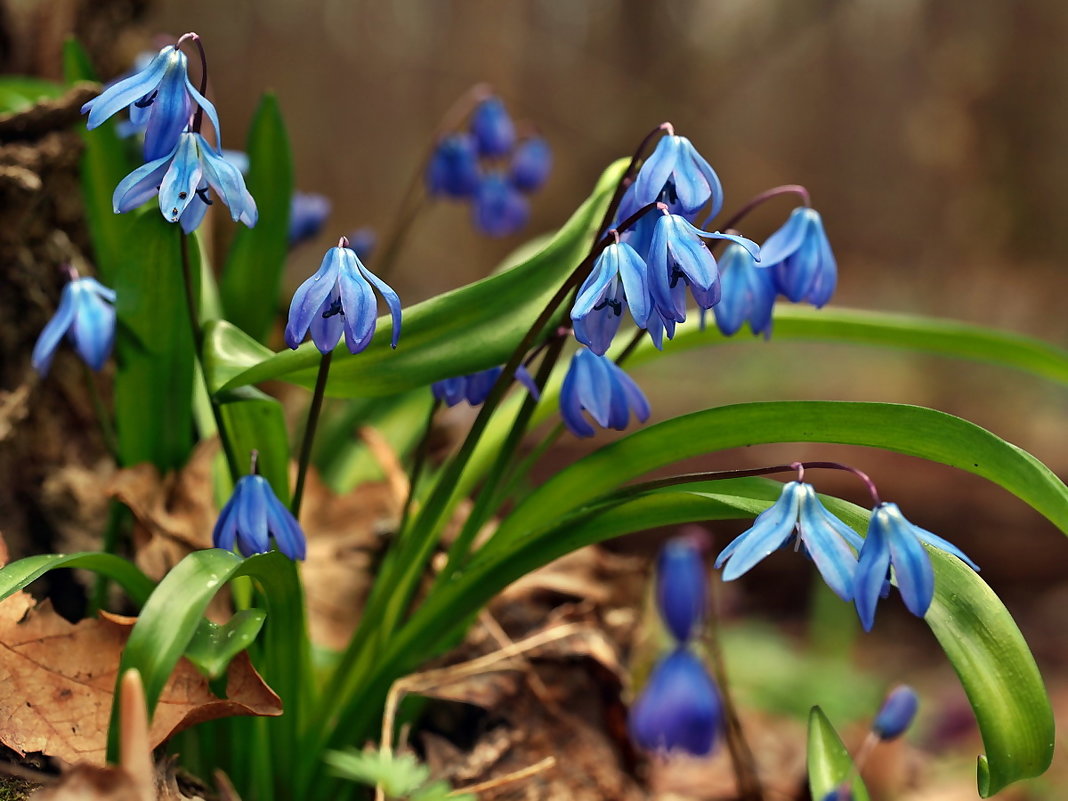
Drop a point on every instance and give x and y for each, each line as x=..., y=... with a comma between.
x=476, y=387
x=499, y=208
x=896, y=713
x=894, y=541
x=338, y=299
x=532, y=162
x=492, y=128
x=599, y=386
x=453, y=168
x=681, y=587
x=86, y=315
x=827, y=539
x=161, y=98
x=253, y=515
x=679, y=176
x=308, y=213
x=679, y=709
x=800, y=258
x=618, y=280
x=181, y=178
x=747, y=293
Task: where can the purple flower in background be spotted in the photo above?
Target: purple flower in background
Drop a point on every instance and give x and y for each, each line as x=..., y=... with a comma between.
x=492, y=128
x=475, y=388
x=681, y=587
x=453, y=168
x=597, y=385
x=679, y=176
x=499, y=208
x=618, y=280
x=800, y=258
x=86, y=315
x=532, y=162
x=679, y=708
x=747, y=293
x=308, y=213
x=253, y=515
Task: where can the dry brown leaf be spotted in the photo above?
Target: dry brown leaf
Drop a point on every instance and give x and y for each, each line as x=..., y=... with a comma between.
x=85, y=782
x=57, y=681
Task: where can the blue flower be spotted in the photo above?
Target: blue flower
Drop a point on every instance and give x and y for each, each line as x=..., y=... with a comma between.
x=181, y=178
x=599, y=386
x=475, y=388
x=363, y=242
x=678, y=259
x=747, y=293
x=499, y=208
x=86, y=315
x=896, y=713
x=679, y=709
x=161, y=99
x=800, y=258
x=532, y=162
x=618, y=280
x=338, y=298
x=894, y=541
x=657, y=327
x=827, y=539
x=251, y=515
x=681, y=587
x=492, y=128
x=453, y=168
x=307, y=215
x=678, y=175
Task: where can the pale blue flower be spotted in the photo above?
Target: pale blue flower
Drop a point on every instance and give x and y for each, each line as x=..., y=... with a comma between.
x=747, y=293
x=676, y=174
x=597, y=385
x=800, y=258
x=618, y=280
x=86, y=315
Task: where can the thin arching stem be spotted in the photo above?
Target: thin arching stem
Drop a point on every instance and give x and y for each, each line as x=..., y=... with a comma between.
x=764, y=197
x=309, y=430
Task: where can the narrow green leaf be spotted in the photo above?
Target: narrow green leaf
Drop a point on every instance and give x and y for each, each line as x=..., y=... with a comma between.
x=18, y=92
x=214, y=646
x=20, y=574
x=829, y=763
x=251, y=278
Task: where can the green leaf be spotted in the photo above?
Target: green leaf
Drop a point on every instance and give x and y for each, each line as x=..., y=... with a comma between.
x=460, y=332
x=251, y=279
x=400, y=775
x=214, y=646
x=829, y=763
x=18, y=92
x=20, y=574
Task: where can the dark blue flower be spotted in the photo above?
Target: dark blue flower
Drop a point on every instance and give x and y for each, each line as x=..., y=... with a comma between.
x=678, y=259
x=363, y=242
x=86, y=315
x=827, y=539
x=894, y=541
x=599, y=386
x=254, y=513
x=678, y=709
x=681, y=587
x=338, y=299
x=492, y=128
x=618, y=280
x=307, y=215
x=896, y=713
x=475, y=388
x=453, y=168
x=747, y=293
x=800, y=258
x=532, y=162
x=181, y=179
x=161, y=100
x=678, y=175
x=499, y=208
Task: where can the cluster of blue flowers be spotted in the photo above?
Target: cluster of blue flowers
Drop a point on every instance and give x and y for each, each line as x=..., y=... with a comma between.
x=476, y=387
x=487, y=166
x=857, y=570
x=679, y=708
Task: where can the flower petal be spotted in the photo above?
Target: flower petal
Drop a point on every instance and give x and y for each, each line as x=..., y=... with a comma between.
x=169, y=110
x=769, y=531
x=386, y=291
x=358, y=303
x=179, y=186
x=288, y=534
x=828, y=550
x=873, y=565
x=787, y=239
x=570, y=406
x=228, y=183
x=140, y=185
x=126, y=91
x=93, y=332
x=310, y=296
x=251, y=513
x=656, y=170
x=52, y=334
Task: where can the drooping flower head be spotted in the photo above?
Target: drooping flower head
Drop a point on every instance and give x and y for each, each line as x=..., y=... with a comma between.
x=492, y=128
x=253, y=516
x=747, y=293
x=597, y=385
x=532, y=162
x=896, y=713
x=308, y=213
x=893, y=541
x=499, y=208
x=453, y=168
x=827, y=539
x=618, y=280
x=679, y=709
x=800, y=258
x=181, y=179
x=161, y=98
x=676, y=174
x=475, y=388
x=86, y=315
x=339, y=299
x=681, y=587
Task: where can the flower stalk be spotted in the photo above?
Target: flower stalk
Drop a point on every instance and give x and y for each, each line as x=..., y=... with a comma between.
x=309, y=430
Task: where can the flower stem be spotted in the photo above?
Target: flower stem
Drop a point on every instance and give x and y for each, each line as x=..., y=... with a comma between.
x=309, y=430
x=198, y=117
x=107, y=430
x=764, y=197
x=112, y=530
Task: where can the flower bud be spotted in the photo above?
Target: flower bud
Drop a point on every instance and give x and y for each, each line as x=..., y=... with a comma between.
x=681, y=587
x=679, y=709
x=896, y=714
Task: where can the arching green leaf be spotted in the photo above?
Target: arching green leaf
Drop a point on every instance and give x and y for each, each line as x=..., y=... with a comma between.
x=20, y=574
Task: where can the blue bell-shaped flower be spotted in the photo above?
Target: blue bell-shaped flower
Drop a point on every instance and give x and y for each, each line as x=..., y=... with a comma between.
x=681, y=587
x=800, y=258
x=896, y=713
x=453, y=168
x=679, y=709
x=493, y=128
x=252, y=516
x=747, y=293
x=532, y=162
x=618, y=280
x=86, y=315
x=499, y=208
x=597, y=385
x=676, y=174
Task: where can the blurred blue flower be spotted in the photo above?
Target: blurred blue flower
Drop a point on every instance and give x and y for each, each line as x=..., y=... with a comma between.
x=475, y=388
x=599, y=386
x=681, y=587
x=181, y=178
x=161, y=100
x=532, y=162
x=827, y=539
x=492, y=128
x=800, y=258
x=453, y=168
x=618, y=279
x=308, y=213
x=679, y=709
x=86, y=315
x=499, y=208
x=747, y=293
x=338, y=299
x=894, y=541
x=679, y=176
x=363, y=242
x=896, y=713
x=251, y=515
